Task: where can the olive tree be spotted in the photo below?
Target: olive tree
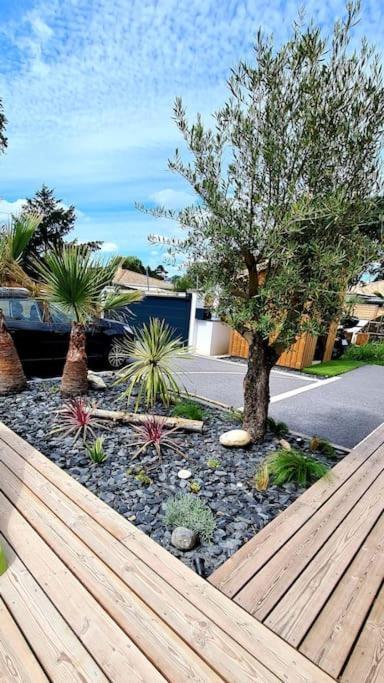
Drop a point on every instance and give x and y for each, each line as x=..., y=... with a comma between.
x=286, y=181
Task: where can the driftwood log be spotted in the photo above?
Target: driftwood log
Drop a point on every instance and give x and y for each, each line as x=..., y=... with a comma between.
x=137, y=419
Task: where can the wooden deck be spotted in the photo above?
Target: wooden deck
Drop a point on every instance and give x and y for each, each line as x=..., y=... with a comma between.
x=88, y=597
x=315, y=575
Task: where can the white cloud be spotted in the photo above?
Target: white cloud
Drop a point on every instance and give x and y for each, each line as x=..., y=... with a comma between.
x=109, y=247
x=172, y=199
x=10, y=208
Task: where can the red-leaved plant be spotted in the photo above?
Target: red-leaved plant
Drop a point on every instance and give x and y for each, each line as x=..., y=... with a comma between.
x=152, y=432
x=76, y=418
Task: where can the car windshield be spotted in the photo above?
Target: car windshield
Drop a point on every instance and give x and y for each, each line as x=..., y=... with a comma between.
x=21, y=309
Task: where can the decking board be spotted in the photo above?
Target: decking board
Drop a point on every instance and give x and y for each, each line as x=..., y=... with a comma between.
x=181, y=628
x=316, y=583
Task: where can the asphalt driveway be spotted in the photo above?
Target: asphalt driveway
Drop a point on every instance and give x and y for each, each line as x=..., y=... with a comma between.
x=342, y=409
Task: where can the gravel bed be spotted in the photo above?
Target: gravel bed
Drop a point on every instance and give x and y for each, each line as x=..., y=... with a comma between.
x=240, y=510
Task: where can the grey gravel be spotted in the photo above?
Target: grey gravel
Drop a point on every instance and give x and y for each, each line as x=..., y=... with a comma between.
x=239, y=509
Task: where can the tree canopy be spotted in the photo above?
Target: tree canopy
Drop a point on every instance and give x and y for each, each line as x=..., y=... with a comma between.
x=286, y=182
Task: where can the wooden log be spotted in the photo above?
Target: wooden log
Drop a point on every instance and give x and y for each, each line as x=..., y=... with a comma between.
x=138, y=419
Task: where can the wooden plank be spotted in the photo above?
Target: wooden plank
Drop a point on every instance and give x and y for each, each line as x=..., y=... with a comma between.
x=17, y=661
x=159, y=643
x=252, y=635
x=366, y=663
x=243, y=565
x=58, y=649
x=330, y=639
x=115, y=653
x=295, y=612
x=209, y=642
x=266, y=589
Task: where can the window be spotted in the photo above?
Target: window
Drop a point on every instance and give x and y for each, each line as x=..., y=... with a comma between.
x=21, y=309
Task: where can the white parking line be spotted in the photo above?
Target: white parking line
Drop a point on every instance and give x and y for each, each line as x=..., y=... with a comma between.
x=275, y=371
x=294, y=392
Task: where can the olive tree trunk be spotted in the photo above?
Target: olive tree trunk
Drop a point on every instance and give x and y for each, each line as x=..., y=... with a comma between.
x=12, y=378
x=261, y=360
x=75, y=374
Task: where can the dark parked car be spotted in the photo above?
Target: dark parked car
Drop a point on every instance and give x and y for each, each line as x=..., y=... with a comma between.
x=41, y=332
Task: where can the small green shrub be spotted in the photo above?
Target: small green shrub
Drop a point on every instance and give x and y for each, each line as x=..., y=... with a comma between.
x=294, y=466
x=279, y=429
x=194, y=487
x=213, y=463
x=96, y=451
x=373, y=352
x=322, y=446
x=143, y=478
x=189, y=511
x=189, y=409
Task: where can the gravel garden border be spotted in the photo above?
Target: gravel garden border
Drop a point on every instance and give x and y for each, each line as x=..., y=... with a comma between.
x=221, y=477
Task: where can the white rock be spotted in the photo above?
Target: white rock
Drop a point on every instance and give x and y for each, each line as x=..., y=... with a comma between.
x=183, y=538
x=96, y=382
x=235, y=438
x=184, y=474
x=285, y=444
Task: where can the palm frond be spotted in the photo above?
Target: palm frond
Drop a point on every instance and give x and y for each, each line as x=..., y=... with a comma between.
x=13, y=242
x=74, y=280
x=116, y=300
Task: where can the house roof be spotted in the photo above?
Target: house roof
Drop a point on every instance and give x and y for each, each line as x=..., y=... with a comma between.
x=133, y=280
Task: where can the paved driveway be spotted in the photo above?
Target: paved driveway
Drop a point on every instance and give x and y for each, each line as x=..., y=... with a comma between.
x=343, y=409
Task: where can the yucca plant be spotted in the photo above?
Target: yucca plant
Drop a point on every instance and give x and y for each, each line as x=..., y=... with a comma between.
x=294, y=466
x=76, y=282
x=150, y=355
x=75, y=418
x=152, y=432
x=95, y=451
x=13, y=242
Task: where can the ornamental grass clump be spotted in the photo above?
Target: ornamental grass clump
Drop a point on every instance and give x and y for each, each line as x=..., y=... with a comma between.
x=191, y=512
x=188, y=409
x=152, y=433
x=322, y=446
x=75, y=418
x=150, y=356
x=286, y=466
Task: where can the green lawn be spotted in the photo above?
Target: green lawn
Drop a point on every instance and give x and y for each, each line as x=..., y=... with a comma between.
x=334, y=367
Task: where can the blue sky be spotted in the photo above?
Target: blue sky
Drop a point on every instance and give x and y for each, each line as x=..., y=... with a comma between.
x=88, y=88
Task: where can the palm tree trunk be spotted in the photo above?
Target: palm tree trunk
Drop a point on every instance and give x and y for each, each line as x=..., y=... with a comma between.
x=75, y=374
x=12, y=378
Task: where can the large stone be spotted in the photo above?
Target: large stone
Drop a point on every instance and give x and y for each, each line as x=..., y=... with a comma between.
x=183, y=538
x=285, y=444
x=235, y=438
x=96, y=382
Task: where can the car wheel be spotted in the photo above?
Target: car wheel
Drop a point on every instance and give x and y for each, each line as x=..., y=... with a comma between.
x=114, y=359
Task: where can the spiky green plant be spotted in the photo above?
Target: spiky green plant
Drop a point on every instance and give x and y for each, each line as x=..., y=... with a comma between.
x=189, y=409
x=294, y=466
x=74, y=281
x=213, y=463
x=96, y=451
x=150, y=354
x=190, y=511
x=195, y=487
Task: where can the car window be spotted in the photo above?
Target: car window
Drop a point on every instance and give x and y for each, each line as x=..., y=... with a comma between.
x=21, y=309
x=57, y=315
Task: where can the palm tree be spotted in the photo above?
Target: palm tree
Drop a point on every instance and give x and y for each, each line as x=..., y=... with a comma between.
x=13, y=242
x=75, y=281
